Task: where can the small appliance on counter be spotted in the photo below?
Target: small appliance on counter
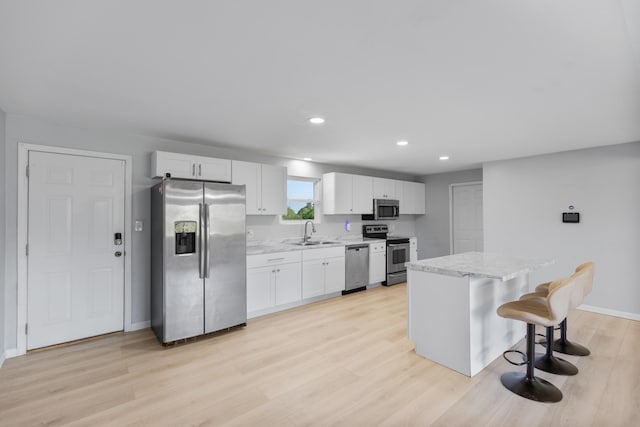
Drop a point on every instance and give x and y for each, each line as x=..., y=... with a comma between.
x=198, y=258
x=397, y=252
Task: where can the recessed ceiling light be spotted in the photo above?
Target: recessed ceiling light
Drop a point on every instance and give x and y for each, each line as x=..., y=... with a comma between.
x=444, y=157
x=316, y=120
x=402, y=143
x=307, y=159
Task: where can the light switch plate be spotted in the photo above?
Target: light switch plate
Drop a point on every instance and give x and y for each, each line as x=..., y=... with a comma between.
x=138, y=226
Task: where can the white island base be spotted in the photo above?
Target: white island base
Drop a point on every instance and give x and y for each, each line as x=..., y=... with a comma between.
x=452, y=303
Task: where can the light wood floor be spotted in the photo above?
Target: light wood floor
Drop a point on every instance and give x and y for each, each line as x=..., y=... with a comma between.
x=340, y=362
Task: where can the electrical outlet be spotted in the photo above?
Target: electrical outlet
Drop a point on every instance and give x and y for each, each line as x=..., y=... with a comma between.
x=138, y=226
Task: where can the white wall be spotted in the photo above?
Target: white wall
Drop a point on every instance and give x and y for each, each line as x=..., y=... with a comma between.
x=432, y=229
x=29, y=130
x=523, y=204
x=2, y=235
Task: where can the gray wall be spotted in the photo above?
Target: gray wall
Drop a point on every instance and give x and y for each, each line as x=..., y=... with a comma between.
x=29, y=130
x=432, y=229
x=524, y=200
x=2, y=235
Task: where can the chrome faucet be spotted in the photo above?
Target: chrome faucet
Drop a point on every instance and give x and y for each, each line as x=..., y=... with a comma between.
x=306, y=238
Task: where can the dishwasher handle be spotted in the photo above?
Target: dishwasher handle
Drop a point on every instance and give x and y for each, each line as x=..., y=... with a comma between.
x=357, y=247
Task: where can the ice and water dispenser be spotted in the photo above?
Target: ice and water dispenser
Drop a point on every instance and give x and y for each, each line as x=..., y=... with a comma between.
x=185, y=237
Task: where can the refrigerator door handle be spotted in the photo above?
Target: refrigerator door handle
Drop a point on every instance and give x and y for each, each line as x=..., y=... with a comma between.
x=207, y=255
x=202, y=251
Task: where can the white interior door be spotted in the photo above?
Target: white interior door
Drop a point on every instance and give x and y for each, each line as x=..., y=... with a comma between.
x=466, y=216
x=75, y=278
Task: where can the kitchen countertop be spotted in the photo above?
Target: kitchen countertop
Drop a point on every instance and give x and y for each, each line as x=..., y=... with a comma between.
x=269, y=246
x=479, y=264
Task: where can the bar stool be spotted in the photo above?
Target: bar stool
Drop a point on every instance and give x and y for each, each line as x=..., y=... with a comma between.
x=545, y=312
x=584, y=284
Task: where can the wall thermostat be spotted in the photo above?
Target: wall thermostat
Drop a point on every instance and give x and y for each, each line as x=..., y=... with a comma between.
x=571, y=217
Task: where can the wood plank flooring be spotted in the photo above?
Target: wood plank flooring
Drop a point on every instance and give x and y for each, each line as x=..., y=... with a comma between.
x=340, y=362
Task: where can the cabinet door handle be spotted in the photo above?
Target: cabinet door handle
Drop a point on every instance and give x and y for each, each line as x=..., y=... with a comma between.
x=275, y=259
x=200, y=169
x=278, y=270
x=193, y=169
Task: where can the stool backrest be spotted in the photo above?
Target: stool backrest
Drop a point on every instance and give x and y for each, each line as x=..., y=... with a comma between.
x=559, y=298
x=585, y=271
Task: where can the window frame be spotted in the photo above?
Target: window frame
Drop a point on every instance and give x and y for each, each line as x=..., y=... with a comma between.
x=316, y=201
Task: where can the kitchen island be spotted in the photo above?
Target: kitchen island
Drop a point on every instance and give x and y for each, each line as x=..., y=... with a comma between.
x=452, y=302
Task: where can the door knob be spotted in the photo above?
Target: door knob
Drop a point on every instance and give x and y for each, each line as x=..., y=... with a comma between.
x=118, y=254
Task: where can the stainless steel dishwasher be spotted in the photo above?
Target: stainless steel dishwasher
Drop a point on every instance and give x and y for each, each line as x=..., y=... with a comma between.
x=356, y=268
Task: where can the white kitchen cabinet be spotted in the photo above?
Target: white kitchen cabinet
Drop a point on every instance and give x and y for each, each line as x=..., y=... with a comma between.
x=273, y=279
x=266, y=187
x=313, y=278
x=323, y=271
x=288, y=287
x=413, y=249
x=344, y=193
x=260, y=288
x=412, y=198
x=384, y=188
x=190, y=166
x=377, y=262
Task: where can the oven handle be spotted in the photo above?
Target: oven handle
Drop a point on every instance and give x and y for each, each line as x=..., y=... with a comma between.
x=396, y=245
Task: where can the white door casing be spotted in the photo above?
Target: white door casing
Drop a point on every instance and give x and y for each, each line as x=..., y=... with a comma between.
x=466, y=217
x=71, y=285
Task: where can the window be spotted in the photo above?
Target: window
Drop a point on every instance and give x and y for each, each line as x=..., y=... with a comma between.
x=301, y=200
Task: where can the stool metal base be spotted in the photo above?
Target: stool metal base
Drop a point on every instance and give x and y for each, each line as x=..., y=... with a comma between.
x=567, y=347
x=534, y=388
x=554, y=365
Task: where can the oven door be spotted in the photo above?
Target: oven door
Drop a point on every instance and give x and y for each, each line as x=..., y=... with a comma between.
x=397, y=255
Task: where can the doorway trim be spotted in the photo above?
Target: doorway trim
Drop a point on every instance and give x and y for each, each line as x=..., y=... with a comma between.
x=451, y=186
x=23, y=210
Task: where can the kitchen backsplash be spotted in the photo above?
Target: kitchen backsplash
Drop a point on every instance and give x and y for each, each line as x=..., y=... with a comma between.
x=269, y=227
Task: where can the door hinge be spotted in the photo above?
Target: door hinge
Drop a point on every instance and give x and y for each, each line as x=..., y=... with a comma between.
x=27, y=171
x=26, y=249
x=26, y=328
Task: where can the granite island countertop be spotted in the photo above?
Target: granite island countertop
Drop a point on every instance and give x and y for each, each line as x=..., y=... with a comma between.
x=480, y=264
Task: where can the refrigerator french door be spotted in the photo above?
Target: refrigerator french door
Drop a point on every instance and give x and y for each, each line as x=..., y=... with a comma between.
x=198, y=250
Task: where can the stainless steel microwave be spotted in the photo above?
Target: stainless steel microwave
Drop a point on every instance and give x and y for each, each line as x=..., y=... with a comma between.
x=386, y=209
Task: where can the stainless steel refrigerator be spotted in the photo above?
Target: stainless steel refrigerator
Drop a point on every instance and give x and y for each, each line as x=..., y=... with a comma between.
x=198, y=258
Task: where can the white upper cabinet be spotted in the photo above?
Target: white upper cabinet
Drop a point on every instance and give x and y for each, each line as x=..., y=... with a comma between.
x=344, y=193
x=412, y=200
x=384, y=188
x=190, y=167
x=266, y=187
x=362, y=194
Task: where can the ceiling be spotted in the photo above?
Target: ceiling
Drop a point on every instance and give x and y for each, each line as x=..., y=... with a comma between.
x=475, y=80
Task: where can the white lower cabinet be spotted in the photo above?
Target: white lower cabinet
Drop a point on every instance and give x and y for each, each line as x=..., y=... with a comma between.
x=322, y=271
x=288, y=283
x=272, y=280
x=377, y=262
x=260, y=288
x=413, y=249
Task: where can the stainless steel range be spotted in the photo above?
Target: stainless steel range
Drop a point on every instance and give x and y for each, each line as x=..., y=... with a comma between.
x=397, y=252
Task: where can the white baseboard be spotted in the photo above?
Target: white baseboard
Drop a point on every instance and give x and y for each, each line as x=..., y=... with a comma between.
x=609, y=312
x=7, y=354
x=140, y=325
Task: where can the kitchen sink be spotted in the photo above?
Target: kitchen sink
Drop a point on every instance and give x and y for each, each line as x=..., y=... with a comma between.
x=315, y=243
